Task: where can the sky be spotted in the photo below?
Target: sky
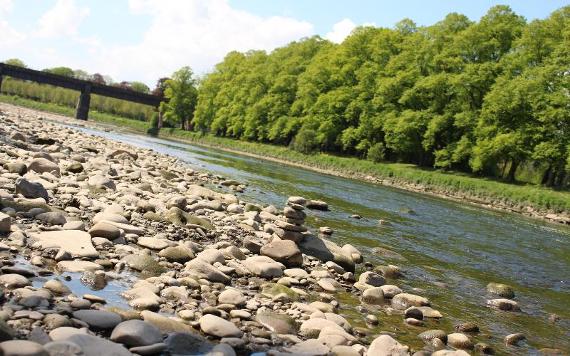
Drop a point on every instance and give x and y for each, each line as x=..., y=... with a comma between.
x=144, y=40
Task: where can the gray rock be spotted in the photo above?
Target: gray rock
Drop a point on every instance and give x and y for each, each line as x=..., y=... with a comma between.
x=459, y=341
x=51, y=218
x=231, y=296
x=63, y=348
x=77, y=243
x=178, y=254
x=403, y=301
x=106, y=230
x=275, y=322
x=22, y=348
x=98, y=319
x=134, y=333
x=31, y=189
x=284, y=251
x=373, y=295
x=385, y=345
x=5, y=223
x=264, y=266
x=372, y=279
x=202, y=269
x=41, y=165
x=13, y=281
x=501, y=290
x=101, y=182
x=96, y=346
x=6, y=332
x=187, y=344
x=214, y=325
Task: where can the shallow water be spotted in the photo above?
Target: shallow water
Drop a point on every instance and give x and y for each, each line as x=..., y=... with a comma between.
x=449, y=250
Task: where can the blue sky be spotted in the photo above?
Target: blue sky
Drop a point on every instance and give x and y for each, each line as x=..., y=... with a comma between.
x=146, y=39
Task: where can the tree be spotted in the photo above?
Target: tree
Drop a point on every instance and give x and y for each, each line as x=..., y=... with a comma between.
x=140, y=87
x=181, y=94
x=16, y=62
x=63, y=71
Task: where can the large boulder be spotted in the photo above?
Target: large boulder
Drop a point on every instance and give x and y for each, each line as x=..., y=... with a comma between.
x=284, y=251
x=264, y=266
x=326, y=250
x=76, y=242
x=136, y=333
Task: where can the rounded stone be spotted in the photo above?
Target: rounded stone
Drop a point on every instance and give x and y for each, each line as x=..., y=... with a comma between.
x=214, y=325
x=22, y=348
x=136, y=333
x=98, y=319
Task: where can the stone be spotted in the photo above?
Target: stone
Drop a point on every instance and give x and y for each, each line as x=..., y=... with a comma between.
x=212, y=256
x=51, y=218
x=311, y=328
x=274, y=290
x=180, y=343
x=310, y=347
x=64, y=332
x=284, y=251
x=514, y=339
x=13, y=281
x=74, y=225
x=41, y=165
x=54, y=321
x=317, y=205
x=96, y=346
x=390, y=290
x=232, y=296
x=372, y=279
x=429, y=335
x=373, y=295
x=16, y=167
x=504, y=304
x=6, y=332
x=403, y=301
x=134, y=333
x=214, y=325
x=78, y=266
x=264, y=266
x=326, y=250
x=22, y=348
x=414, y=313
x=106, y=230
x=5, y=223
x=202, y=269
x=63, y=348
x=459, y=341
x=75, y=167
x=164, y=324
x=98, y=319
x=31, y=189
x=143, y=263
x=501, y=290
x=385, y=345
x=101, y=182
x=178, y=254
x=276, y=322
x=153, y=243
x=77, y=243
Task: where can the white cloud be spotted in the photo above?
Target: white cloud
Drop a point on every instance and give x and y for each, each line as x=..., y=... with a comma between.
x=5, y=7
x=340, y=30
x=196, y=33
x=63, y=19
x=343, y=29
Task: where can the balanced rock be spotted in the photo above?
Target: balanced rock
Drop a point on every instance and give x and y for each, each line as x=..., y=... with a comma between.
x=284, y=251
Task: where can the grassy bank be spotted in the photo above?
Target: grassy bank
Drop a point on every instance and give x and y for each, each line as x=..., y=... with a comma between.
x=458, y=185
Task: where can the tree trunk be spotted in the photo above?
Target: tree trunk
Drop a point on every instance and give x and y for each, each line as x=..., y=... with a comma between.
x=547, y=177
x=512, y=171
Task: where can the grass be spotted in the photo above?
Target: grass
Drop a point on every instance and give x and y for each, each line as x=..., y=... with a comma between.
x=453, y=183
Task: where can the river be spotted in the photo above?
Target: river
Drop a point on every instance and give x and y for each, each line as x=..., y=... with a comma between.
x=448, y=250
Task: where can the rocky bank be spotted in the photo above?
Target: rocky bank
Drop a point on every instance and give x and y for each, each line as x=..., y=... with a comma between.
x=206, y=273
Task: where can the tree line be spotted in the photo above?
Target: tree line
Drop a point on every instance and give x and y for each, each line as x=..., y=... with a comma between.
x=481, y=97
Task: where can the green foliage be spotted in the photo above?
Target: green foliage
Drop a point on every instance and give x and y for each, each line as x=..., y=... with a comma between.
x=140, y=87
x=16, y=62
x=181, y=94
x=305, y=141
x=376, y=153
x=64, y=71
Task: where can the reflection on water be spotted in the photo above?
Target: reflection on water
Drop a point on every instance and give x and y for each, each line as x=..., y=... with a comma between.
x=451, y=251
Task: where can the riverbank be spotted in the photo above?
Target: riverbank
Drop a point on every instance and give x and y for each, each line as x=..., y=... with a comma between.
x=529, y=200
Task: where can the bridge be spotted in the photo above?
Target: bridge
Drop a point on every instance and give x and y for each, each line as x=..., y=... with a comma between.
x=84, y=86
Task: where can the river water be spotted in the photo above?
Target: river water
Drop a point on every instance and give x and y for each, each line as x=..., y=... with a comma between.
x=447, y=250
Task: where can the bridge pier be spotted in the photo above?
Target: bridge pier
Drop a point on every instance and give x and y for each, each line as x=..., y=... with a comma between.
x=1, y=77
x=82, y=110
